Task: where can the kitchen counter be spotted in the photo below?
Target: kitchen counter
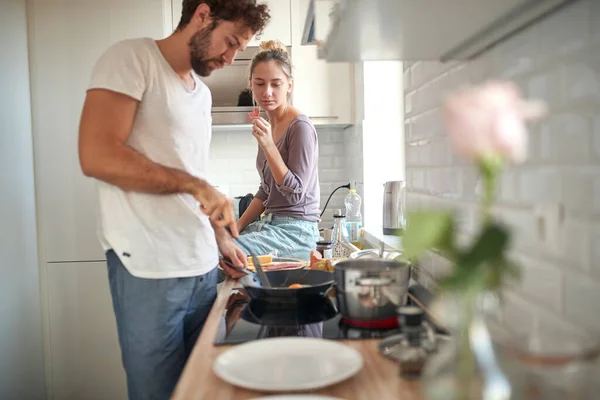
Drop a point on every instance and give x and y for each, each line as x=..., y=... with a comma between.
x=378, y=378
x=375, y=237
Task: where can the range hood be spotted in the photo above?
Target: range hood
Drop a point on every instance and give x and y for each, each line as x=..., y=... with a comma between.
x=415, y=30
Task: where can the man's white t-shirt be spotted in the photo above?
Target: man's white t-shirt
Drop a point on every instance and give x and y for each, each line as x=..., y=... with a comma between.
x=158, y=236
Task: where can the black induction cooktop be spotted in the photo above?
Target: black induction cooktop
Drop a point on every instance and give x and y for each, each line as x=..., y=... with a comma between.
x=247, y=320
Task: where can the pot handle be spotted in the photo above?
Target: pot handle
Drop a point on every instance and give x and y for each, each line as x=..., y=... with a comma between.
x=370, y=282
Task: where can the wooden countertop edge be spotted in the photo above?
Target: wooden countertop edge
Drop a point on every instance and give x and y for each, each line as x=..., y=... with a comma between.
x=199, y=365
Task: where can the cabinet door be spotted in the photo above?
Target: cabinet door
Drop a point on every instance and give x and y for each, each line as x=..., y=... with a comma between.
x=66, y=38
x=84, y=350
x=323, y=91
x=277, y=29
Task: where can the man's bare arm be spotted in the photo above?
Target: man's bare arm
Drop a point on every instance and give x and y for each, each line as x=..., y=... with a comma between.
x=106, y=123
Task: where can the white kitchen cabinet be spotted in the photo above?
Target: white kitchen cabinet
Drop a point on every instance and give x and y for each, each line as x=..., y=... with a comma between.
x=84, y=349
x=323, y=91
x=277, y=29
x=66, y=37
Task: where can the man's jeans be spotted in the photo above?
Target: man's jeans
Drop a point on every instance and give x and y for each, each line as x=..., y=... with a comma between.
x=158, y=322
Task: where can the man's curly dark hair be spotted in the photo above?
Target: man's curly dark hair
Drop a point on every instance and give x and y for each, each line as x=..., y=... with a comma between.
x=255, y=16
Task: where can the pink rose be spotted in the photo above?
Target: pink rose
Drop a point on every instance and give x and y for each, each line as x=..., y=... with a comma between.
x=490, y=119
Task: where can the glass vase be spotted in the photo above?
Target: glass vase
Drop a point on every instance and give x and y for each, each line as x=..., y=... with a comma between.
x=454, y=372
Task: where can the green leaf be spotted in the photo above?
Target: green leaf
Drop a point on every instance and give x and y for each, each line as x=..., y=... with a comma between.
x=489, y=246
x=464, y=280
x=483, y=265
x=426, y=230
x=502, y=270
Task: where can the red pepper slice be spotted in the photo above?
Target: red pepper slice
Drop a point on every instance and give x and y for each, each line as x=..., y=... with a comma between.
x=254, y=114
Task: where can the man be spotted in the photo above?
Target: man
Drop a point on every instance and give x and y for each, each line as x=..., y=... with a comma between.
x=144, y=135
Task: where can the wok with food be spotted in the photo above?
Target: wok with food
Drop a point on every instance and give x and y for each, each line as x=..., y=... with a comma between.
x=290, y=284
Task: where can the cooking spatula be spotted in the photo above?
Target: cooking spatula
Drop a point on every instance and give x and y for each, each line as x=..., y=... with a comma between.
x=264, y=280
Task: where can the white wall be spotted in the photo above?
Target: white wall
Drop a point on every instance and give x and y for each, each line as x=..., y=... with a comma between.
x=557, y=60
x=382, y=135
x=233, y=164
x=21, y=351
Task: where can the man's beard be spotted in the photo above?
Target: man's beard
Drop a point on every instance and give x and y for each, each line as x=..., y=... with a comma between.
x=199, y=45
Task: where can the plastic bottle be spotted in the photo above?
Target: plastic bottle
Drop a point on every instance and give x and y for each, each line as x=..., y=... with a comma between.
x=353, y=216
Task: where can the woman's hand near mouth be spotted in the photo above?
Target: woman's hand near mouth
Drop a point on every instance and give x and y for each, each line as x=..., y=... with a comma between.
x=261, y=130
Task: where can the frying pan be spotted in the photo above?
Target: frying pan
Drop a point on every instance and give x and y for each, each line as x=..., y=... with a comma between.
x=318, y=284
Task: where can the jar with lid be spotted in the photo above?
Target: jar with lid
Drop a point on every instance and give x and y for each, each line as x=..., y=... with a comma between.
x=325, y=247
x=411, y=348
x=339, y=235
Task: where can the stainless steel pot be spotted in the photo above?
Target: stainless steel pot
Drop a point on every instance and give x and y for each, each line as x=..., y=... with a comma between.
x=371, y=289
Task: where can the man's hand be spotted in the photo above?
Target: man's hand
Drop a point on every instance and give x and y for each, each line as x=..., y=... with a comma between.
x=230, y=250
x=217, y=206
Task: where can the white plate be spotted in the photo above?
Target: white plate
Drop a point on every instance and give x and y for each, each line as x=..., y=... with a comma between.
x=287, y=364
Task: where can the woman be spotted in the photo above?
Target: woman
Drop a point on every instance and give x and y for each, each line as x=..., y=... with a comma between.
x=287, y=162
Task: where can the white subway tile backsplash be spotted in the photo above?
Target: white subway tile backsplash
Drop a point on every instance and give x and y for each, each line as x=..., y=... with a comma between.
x=426, y=125
x=470, y=184
x=513, y=58
x=478, y=70
x=596, y=137
x=594, y=18
x=419, y=179
x=565, y=32
x=332, y=135
x=332, y=162
x=555, y=60
x=578, y=190
x=429, y=93
x=330, y=149
x=582, y=296
x=507, y=186
x=411, y=155
x=525, y=227
x=583, y=75
x=539, y=185
x=594, y=245
x=406, y=78
x=575, y=245
x=547, y=85
x=596, y=196
x=440, y=156
x=517, y=313
x=407, y=130
x=409, y=101
x=565, y=138
x=542, y=282
x=457, y=77
x=333, y=175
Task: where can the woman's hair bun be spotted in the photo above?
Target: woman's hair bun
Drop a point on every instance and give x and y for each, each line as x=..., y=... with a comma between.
x=274, y=45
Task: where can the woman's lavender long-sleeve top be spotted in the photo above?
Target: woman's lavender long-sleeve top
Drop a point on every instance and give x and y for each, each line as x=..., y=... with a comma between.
x=299, y=195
